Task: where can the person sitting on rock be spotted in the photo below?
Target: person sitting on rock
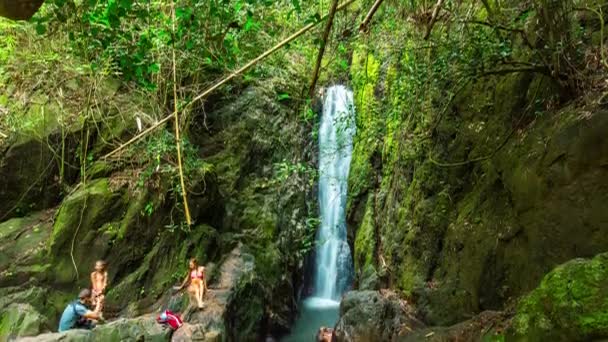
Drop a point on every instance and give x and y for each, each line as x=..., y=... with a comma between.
x=99, y=282
x=77, y=316
x=196, y=282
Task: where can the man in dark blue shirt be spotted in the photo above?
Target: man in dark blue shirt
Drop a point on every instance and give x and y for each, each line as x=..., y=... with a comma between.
x=76, y=315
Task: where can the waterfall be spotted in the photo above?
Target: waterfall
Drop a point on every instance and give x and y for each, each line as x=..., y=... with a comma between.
x=333, y=269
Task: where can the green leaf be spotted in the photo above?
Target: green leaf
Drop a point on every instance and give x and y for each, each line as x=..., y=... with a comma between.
x=153, y=68
x=40, y=29
x=283, y=97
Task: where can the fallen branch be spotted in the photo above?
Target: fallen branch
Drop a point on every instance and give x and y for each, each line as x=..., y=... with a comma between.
x=225, y=80
x=315, y=74
x=433, y=19
x=535, y=69
x=178, y=142
x=364, y=27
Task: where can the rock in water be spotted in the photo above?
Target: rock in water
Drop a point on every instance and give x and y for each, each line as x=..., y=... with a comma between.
x=374, y=316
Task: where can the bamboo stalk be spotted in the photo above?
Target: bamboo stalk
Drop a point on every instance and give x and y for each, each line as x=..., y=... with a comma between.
x=225, y=80
x=178, y=142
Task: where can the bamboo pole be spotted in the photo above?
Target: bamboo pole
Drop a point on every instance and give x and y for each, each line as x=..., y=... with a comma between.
x=178, y=141
x=228, y=78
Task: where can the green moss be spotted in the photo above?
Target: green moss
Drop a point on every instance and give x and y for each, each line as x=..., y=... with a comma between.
x=571, y=303
x=365, y=239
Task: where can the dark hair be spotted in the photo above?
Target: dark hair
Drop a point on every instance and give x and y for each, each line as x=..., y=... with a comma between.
x=84, y=293
x=194, y=261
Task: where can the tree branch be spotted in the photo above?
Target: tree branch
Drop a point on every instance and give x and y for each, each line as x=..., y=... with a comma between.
x=536, y=69
x=330, y=21
x=433, y=19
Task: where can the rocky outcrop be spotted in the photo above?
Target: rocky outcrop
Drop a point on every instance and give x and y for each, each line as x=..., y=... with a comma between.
x=375, y=316
x=136, y=329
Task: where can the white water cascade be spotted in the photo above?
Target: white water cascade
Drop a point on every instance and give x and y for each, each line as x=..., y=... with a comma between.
x=333, y=264
x=333, y=271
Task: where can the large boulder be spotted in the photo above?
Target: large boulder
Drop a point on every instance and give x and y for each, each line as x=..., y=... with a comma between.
x=571, y=304
x=374, y=316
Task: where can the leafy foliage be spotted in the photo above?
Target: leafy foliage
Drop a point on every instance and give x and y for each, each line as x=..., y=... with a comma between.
x=134, y=38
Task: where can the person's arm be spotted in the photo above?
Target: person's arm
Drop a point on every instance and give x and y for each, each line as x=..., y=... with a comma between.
x=92, y=315
x=82, y=311
x=93, y=280
x=184, y=283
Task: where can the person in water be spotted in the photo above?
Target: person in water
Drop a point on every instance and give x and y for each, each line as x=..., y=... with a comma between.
x=77, y=316
x=99, y=282
x=196, y=282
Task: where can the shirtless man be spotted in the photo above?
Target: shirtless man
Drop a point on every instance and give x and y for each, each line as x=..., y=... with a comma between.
x=99, y=282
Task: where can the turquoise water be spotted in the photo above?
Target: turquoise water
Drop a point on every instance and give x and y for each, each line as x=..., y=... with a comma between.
x=315, y=313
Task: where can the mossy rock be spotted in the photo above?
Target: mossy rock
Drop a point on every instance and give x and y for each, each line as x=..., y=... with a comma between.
x=571, y=304
x=80, y=215
x=17, y=320
x=22, y=242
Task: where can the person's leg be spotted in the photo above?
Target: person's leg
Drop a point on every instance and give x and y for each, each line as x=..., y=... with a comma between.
x=201, y=293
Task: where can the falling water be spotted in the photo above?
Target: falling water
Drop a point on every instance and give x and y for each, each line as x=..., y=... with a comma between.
x=333, y=265
x=333, y=269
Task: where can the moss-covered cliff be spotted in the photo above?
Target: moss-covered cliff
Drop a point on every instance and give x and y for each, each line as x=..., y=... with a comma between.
x=479, y=166
x=470, y=181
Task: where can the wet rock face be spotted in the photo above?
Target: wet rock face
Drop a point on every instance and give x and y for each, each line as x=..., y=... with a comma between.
x=374, y=316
